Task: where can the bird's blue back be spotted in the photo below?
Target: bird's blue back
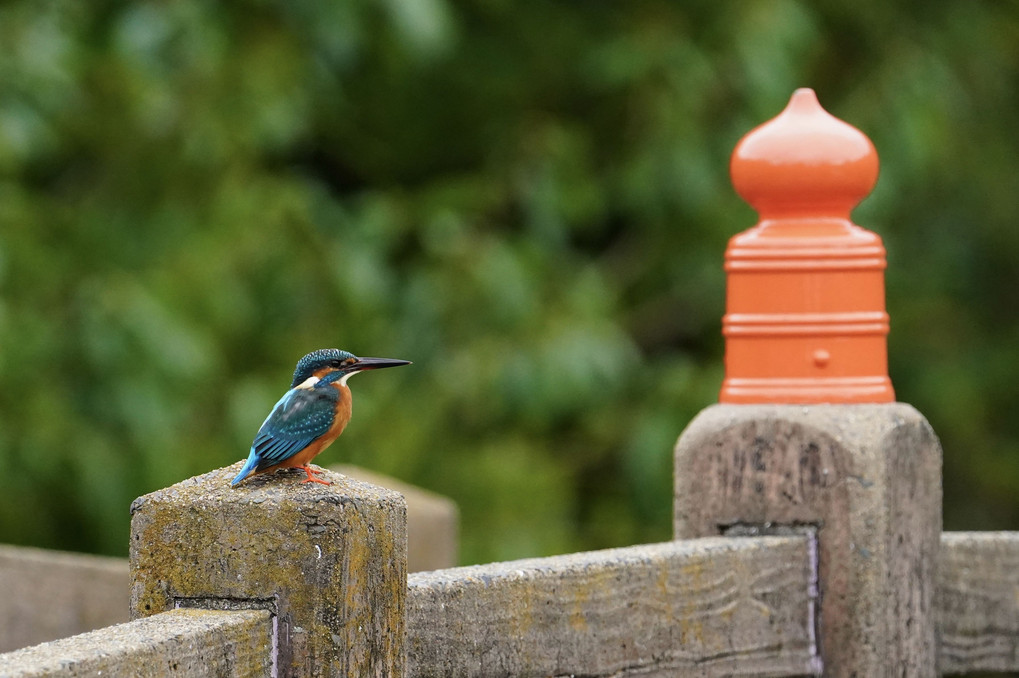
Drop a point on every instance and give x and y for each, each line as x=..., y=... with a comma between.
x=300, y=416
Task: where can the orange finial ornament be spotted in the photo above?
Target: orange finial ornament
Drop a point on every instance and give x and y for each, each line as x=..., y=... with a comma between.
x=805, y=314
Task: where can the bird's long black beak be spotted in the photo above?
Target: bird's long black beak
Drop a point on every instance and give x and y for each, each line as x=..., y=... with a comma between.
x=375, y=364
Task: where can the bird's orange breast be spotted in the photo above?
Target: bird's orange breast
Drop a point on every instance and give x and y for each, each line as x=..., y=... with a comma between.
x=340, y=419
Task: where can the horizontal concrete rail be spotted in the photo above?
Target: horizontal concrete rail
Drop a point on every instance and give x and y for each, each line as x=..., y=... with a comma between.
x=712, y=606
x=182, y=642
x=52, y=594
x=978, y=602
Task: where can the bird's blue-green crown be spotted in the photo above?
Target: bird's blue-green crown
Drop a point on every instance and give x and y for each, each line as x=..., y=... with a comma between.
x=316, y=360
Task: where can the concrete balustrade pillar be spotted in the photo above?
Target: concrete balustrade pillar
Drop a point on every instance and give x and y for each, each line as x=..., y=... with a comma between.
x=865, y=480
x=329, y=562
x=808, y=438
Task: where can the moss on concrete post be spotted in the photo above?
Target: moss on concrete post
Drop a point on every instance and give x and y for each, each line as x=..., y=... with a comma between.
x=330, y=562
x=867, y=478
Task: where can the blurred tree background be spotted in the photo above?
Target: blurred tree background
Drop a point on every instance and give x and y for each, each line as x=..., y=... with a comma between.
x=528, y=200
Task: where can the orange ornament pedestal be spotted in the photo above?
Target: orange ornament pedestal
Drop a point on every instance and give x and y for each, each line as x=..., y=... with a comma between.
x=805, y=314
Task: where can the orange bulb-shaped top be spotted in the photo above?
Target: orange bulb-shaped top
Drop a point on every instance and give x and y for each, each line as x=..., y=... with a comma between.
x=804, y=162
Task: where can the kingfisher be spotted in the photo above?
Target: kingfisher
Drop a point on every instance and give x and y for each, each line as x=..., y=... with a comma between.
x=311, y=415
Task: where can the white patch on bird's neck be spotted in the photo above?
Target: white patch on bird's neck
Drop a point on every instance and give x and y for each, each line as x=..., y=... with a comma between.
x=308, y=383
x=348, y=375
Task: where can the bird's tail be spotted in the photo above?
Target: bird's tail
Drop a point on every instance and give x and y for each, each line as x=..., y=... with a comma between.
x=249, y=466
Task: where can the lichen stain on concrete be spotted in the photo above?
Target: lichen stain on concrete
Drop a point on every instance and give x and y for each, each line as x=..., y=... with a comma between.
x=578, y=606
x=664, y=588
x=691, y=627
x=519, y=604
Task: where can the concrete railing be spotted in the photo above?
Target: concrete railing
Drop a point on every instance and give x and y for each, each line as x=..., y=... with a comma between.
x=50, y=594
x=712, y=606
x=807, y=514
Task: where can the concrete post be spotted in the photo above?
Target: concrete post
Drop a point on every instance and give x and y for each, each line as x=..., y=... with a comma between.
x=866, y=479
x=329, y=562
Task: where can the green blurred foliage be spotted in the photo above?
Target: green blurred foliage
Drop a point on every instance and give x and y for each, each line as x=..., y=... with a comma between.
x=528, y=200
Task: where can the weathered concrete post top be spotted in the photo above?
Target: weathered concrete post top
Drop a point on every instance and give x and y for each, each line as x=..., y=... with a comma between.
x=808, y=438
x=805, y=318
x=329, y=563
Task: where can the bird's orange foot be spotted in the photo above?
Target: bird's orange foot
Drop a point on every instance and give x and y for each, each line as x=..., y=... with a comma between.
x=311, y=478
